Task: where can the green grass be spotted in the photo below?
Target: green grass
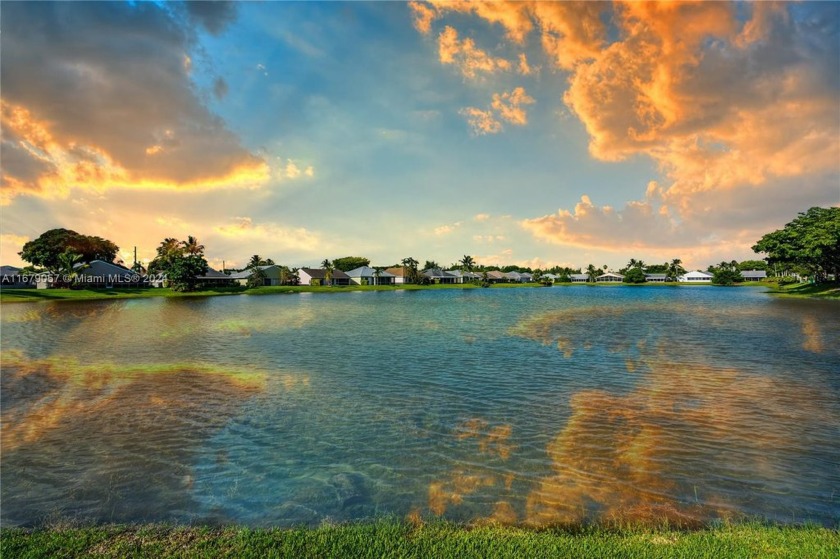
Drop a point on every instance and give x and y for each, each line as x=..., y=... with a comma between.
x=400, y=539
x=829, y=290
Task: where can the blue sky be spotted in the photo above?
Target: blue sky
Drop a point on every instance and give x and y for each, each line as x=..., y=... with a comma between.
x=520, y=133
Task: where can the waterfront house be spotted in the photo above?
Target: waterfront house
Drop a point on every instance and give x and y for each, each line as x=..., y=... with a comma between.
x=514, y=277
x=610, y=277
x=99, y=273
x=365, y=275
x=754, y=275
x=214, y=278
x=318, y=276
x=400, y=274
x=525, y=277
x=436, y=275
x=273, y=275
x=13, y=278
x=463, y=277
x=660, y=278
x=579, y=278
x=495, y=276
x=696, y=276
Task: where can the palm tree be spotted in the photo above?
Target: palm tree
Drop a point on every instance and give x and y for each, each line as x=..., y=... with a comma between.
x=467, y=263
x=67, y=263
x=592, y=272
x=675, y=269
x=377, y=273
x=255, y=261
x=411, y=274
x=328, y=271
x=192, y=247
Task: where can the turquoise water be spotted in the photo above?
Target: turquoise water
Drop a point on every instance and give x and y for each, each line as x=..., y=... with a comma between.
x=534, y=406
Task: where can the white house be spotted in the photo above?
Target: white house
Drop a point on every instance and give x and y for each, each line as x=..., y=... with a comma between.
x=463, y=277
x=656, y=277
x=436, y=275
x=365, y=275
x=319, y=275
x=696, y=276
x=610, y=277
x=579, y=278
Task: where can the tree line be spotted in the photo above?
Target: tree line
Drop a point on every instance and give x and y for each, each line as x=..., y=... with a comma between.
x=808, y=246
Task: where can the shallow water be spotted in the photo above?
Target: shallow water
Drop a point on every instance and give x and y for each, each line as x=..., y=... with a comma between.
x=532, y=406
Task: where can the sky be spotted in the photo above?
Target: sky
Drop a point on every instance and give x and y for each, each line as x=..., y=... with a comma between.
x=526, y=133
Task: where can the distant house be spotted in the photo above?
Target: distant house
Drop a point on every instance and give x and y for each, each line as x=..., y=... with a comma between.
x=579, y=278
x=400, y=274
x=436, y=275
x=525, y=277
x=365, y=275
x=318, y=276
x=754, y=275
x=215, y=278
x=661, y=278
x=273, y=275
x=463, y=277
x=696, y=276
x=513, y=277
x=550, y=277
x=13, y=278
x=99, y=273
x=610, y=277
x=495, y=276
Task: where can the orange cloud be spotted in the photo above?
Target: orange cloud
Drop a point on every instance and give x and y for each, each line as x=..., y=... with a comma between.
x=469, y=59
x=509, y=106
x=481, y=122
x=282, y=238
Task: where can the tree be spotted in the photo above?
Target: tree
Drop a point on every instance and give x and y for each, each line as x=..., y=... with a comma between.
x=811, y=241
x=726, y=273
x=675, y=269
x=257, y=260
x=467, y=263
x=69, y=267
x=350, y=263
x=377, y=273
x=634, y=275
x=257, y=278
x=181, y=262
x=752, y=265
x=592, y=272
x=328, y=271
x=431, y=265
x=410, y=272
x=45, y=250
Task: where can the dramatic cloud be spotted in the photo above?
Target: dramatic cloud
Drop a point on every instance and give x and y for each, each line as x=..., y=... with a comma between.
x=98, y=95
x=281, y=238
x=734, y=104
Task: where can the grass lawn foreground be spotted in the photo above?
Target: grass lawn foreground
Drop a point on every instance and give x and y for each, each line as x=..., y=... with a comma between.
x=391, y=538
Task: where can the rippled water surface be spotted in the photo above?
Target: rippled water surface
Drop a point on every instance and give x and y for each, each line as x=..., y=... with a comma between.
x=529, y=406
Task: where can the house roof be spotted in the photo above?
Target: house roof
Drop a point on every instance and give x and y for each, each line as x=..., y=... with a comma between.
x=657, y=276
x=754, y=273
x=102, y=268
x=368, y=272
x=397, y=271
x=579, y=276
x=321, y=273
x=436, y=273
x=9, y=271
x=462, y=274
x=213, y=274
x=246, y=273
x=513, y=275
x=697, y=273
x=495, y=274
x=611, y=275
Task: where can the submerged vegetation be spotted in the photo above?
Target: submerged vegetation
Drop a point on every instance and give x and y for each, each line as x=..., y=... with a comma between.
x=391, y=538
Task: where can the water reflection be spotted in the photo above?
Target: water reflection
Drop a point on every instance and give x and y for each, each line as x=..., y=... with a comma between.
x=125, y=436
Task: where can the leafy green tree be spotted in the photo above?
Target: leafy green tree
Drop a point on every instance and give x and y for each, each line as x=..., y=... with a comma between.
x=69, y=268
x=350, y=263
x=726, y=273
x=257, y=260
x=45, y=250
x=467, y=263
x=410, y=272
x=752, y=265
x=430, y=265
x=563, y=277
x=592, y=272
x=181, y=262
x=257, y=277
x=634, y=275
x=675, y=269
x=811, y=241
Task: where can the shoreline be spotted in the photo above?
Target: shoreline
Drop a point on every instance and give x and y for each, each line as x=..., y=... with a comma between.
x=823, y=291
x=395, y=538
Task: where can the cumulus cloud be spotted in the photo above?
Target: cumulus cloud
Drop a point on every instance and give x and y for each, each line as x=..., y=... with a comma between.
x=507, y=106
x=78, y=112
x=469, y=59
x=446, y=229
x=735, y=104
x=299, y=239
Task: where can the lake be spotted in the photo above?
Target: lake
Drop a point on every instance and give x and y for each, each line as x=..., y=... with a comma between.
x=535, y=406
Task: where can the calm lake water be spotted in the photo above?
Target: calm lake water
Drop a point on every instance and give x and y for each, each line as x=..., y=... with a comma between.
x=533, y=406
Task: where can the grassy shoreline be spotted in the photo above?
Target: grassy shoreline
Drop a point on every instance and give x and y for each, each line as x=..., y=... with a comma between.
x=390, y=538
x=823, y=291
